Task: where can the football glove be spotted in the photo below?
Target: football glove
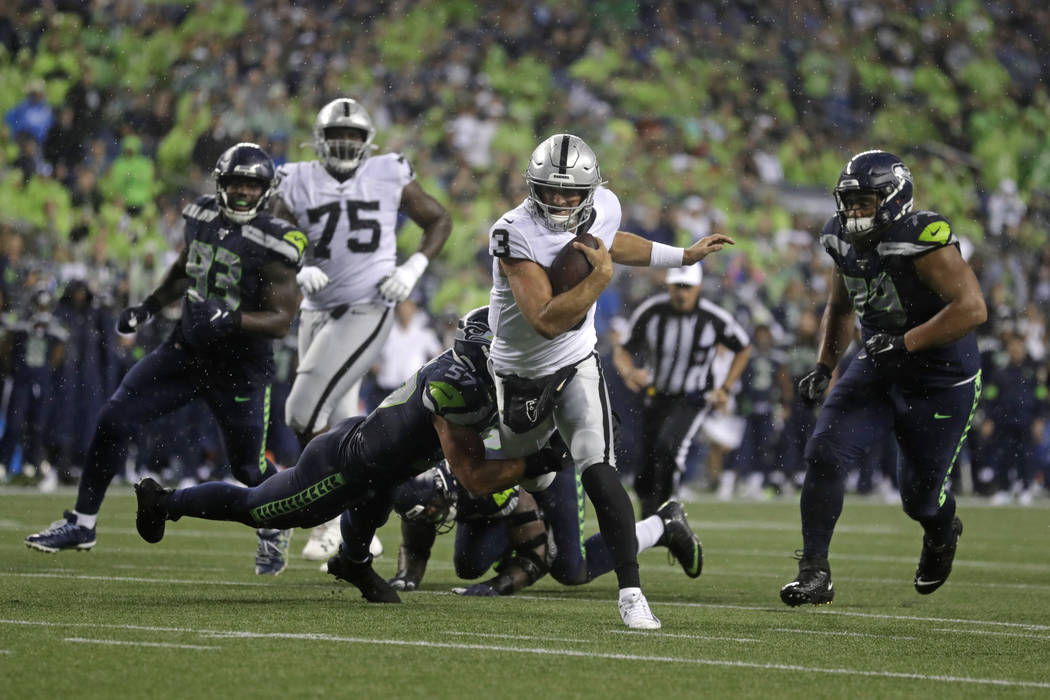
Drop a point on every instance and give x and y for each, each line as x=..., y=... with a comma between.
x=312, y=279
x=885, y=346
x=398, y=284
x=134, y=316
x=812, y=386
x=500, y=585
x=210, y=321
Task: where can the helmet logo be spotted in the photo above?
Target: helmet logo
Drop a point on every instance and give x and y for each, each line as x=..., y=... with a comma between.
x=901, y=172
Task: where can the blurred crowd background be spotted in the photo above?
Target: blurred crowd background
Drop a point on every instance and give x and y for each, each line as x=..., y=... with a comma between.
x=723, y=115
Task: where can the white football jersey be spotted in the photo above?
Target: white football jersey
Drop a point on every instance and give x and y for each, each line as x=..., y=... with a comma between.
x=516, y=346
x=350, y=225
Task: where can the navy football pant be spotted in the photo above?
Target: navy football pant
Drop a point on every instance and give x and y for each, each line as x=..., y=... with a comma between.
x=164, y=380
x=864, y=409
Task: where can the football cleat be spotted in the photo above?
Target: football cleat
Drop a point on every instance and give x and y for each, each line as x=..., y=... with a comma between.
x=680, y=540
x=635, y=612
x=361, y=575
x=151, y=514
x=935, y=562
x=63, y=534
x=324, y=541
x=812, y=585
x=270, y=558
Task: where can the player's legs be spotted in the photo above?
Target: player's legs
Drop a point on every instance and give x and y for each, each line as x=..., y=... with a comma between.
x=479, y=545
x=670, y=429
x=243, y=415
x=335, y=352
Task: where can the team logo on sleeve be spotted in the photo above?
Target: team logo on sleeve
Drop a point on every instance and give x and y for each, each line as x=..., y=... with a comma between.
x=297, y=239
x=446, y=397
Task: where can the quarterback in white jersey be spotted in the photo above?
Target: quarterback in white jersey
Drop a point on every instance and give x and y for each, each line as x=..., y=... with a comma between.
x=347, y=204
x=547, y=373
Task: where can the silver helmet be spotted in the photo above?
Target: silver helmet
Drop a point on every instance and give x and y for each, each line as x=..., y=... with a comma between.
x=563, y=162
x=342, y=155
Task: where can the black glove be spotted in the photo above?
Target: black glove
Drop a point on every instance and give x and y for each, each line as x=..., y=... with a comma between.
x=812, y=386
x=885, y=346
x=210, y=321
x=133, y=317
x=500, y=585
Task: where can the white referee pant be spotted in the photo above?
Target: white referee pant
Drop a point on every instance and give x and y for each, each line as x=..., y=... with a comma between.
x=334, y=354
x=582, y=415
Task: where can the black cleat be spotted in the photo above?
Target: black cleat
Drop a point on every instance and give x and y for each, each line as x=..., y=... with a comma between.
x=812, y=586
x=679, y=538
x=935, y=562
x=151, y=513
x=361, y=574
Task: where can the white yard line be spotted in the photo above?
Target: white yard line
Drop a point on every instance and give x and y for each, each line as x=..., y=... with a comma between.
x=995, y=634
x=685, y=636
x=839, y=634
x=544, y=651
x=120, y=642
x=517, y=636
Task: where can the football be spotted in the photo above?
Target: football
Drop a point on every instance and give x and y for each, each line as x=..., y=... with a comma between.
x=570, y=266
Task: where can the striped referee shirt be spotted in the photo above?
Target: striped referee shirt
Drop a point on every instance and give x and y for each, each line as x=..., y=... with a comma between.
x=680, y=347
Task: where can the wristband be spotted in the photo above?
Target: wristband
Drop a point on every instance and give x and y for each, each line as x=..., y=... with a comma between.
x=666, y=255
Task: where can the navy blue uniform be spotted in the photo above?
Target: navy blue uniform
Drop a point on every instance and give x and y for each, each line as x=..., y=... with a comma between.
x=926, y=399
x=225, y=262
x=356, y=465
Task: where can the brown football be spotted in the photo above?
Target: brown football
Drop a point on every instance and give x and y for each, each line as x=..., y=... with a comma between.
x=570, y=266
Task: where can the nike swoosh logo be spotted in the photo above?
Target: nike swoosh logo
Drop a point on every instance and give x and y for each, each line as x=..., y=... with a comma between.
x=924, y=582
x=940, y=416
x=242, y=399
x=696, y=562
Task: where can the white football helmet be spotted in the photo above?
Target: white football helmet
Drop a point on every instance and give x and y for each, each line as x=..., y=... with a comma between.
x=563, y=162
x=343, y=155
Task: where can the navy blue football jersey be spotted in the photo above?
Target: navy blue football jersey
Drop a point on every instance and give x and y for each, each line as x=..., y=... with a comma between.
x=398, y=436
x=225, y=262
x=889, y=296
x=489, y=507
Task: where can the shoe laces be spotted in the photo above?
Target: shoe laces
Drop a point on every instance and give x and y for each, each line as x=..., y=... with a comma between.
x=272, y=546
x=67, y=522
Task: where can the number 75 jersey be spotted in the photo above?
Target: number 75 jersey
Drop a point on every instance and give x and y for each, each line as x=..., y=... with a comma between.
x=350, y=224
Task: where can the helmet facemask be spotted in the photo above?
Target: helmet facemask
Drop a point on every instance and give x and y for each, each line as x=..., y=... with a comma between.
x=343, y=134
x=240, y=208
x=472, y=341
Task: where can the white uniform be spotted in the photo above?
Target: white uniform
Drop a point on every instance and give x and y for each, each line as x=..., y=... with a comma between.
x=581, y=413
x=351, y=230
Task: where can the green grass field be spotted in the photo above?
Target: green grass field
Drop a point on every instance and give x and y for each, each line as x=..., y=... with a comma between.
x=189, y=618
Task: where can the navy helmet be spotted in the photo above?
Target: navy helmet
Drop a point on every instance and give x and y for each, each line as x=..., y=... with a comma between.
x=882, y=174
x=244, y=160
x=431, y=497
x=473, y=339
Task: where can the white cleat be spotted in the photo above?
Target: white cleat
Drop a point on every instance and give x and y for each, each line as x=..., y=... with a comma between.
x=634, y=609
x=324, y=541
x=375, y=548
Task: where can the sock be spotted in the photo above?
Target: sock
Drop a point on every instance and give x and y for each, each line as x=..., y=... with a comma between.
x=84, y=520
x=649, y=532
x=628, y=592
x=615, y=514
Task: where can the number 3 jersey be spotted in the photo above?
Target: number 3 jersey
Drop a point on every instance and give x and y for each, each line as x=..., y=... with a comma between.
x=516, y=347
x=350, y=224
x=224, y=261
x=889, y=296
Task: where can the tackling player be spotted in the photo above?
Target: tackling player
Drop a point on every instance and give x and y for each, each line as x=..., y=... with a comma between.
x=236, y=279
x=547, y=372
x=348, y=205
x=918, y=377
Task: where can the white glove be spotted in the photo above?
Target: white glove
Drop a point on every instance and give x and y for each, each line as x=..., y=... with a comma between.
x=312, y=279
x=398, y=284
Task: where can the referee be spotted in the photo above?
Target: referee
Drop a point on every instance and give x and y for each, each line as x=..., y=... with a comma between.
x=677, y=332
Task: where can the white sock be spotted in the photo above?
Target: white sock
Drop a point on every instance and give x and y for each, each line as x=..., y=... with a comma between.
x=648, y=531
x=629, y=592
x=87, y=521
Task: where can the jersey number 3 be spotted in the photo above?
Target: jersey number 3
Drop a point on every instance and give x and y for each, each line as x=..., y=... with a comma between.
x=331, y=212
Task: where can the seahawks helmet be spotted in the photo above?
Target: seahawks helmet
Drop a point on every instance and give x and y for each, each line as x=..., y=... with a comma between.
x=563, y=162
x=882, y=174
x=473, y=338
x=431, y=497
x=245, y=160
x=343, y=155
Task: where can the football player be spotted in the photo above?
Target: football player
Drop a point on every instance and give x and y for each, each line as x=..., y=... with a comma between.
x=548, y=376
x=522, y=538
x=917, y=378
x=235, y=278
x=348, y=204
x=441, y=411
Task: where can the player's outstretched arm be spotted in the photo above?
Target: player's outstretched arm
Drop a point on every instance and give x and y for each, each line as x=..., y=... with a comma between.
x=631, y=249
x=280, y=301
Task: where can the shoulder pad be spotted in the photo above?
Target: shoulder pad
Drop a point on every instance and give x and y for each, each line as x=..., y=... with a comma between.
x=203, y=209
x=277, y=236
x=916, y=234
x=832, y=239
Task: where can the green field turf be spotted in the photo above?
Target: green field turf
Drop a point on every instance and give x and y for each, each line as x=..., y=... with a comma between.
x=188, y=617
